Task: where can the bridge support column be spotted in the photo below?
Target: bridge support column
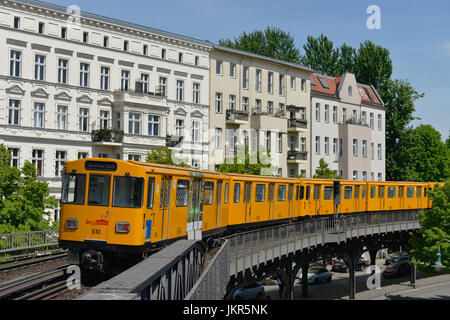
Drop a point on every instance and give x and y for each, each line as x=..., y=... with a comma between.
x=413, y=275
x=305, y=280
x=351, y=274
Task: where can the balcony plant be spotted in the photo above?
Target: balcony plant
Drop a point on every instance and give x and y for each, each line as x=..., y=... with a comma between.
x=103, y=135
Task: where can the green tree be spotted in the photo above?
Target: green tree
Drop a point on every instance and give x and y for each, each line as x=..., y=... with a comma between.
x=163, y=155
x=23, y=199
x=435, y=226
x=323, y=172
x=255, y=163
x=346, y=61
x=321, y=55
x=272, y=42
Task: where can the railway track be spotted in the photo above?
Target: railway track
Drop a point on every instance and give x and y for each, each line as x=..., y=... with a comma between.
x=31, y=260
x=38, y=286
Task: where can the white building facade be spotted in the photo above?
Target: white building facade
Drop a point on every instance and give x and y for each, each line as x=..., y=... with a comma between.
x=89, y=86
x=347, y=128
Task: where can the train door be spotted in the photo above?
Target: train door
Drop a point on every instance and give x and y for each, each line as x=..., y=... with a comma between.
x=270, y=197
x=316, y=199
x=307, y=203
x=381, y=197
x=164, y=206
x=356, y=201
x=401, y=196
x=218, y=204
x=195, y=211
x=98, y=213
x=248, y=201
x=150, y=218
x=419, y=197
x=291, y=200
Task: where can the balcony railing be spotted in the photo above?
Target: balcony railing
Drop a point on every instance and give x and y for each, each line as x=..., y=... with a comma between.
x=160, y=91
x=297, y=155
x=279, y=114
x=298, y=123
x=107, y=135
x=237, y=115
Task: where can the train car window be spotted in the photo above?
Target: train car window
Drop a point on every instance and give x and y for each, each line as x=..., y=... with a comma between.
x=99, y=186
x=260, y=192
x=410, y=192
x=281, y=193
x=209, y=192
x=128, y=192
x=419, y=192
x=151, y=192
x=73, y=188
x=425, y=192
x=391, y=192
x=363, y=192
x=348, y=192
x=328, y=193
x=381, y=192
x=302, y=192
x=400, y=192
x=225, y=197
x=182, y=193
x=237, y=192
x=372, y=192
x=308, y=192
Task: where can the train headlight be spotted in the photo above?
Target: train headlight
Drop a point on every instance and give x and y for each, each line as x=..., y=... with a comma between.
x=71, y=224
x=122, y=227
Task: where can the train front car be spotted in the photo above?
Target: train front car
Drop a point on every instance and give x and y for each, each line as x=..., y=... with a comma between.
x=102, y=221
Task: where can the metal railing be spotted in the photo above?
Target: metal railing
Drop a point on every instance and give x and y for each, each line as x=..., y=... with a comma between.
x=24, y=241
x=107, y=135
x=233, y=115
x=247, y=250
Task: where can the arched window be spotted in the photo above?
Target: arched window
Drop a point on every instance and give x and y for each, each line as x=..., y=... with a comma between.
x=350, y=90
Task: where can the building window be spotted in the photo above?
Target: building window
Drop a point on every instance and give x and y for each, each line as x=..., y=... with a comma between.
x=104, y=78
x=41, y=28
x=302, y=113
x=380, y=177
x=355, y=147
x=232, y=102
x=335, y=114
x=14, y=112
x=355, y=175
x=380, y=156
x=317, y=112
x=292, y=83
x=267, y=140
x=279, y=142
x=125, y=45
x=270, y=82
x=303, y=144
x=219, y=67
x=104, y=119
x=180, y=90
x=179, y=128
x=83, y=155
x=16, y=23
x=197, y=60
x=350, y=91
x=341, y=147
x=195, y=164
x=85, y=37
x=145, y=50
x=195, y=131
x=344, y=115
x=39, y=67
x=335, y=145
x=372, y=149
x=38, y=115
x=134, y=157
x=144, y=82
x=218, y=138
x=15, y=64
x=303, y=85
x=61, y=157
x=15, y=157
x=327, y=113
x=218, y=102
x=355, y=117
x=38, y=161
x=327, y=145
x=180, y=57
x=63, y=32
x=105, y=41
x=364, y=176
x=163, y=86
x=134, y=123
x=63, y=67
x=372, y=124
x=364, y=148
x=232, y=70
x=363, y=118
x=245, y=104
x=83, y=121
x=61, y=117
x=317, y=145
x=196, y=92
x=258, y=80
x=380, y=123
x=84, y=75
x=153, y=125
x=125, y=80
x=163, y=53
x=281, y=85
x=245, y=78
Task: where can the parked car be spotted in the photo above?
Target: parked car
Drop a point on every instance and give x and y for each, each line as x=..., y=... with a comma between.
x=317, y=275
x=341, y=266
x=397, y=257
x=397, y=270
x=251, y=291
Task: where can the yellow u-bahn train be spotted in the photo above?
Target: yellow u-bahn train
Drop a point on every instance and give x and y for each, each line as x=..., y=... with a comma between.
x=112, y=209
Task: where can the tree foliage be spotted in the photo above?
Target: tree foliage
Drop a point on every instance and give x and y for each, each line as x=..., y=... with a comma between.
x=320, y=55
x=245, y=162
x=23, y=199
x=323, y=172
x=271, y=42
x=435, y=226
x=163, y=155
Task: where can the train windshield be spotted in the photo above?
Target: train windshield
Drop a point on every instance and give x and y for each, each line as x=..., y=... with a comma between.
x=73, y=188
x=128, y=192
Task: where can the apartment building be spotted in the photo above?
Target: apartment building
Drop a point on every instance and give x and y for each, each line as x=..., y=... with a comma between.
x=347, y=127
x=88, y=86
x=259, y=104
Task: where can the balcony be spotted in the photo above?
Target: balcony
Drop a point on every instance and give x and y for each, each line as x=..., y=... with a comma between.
x=297, y=156
x=107, y=137
x=237, y=117
x=173, y=141
x=141, y=97
x=268, y=121
x=297, y=124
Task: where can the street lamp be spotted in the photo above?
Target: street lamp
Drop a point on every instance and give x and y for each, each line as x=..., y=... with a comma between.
x=438, y=264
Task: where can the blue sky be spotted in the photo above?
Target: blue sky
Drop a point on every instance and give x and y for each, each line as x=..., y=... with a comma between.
x=417, y=33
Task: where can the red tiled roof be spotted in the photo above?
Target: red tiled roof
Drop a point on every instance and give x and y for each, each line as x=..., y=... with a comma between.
x=333, y=85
